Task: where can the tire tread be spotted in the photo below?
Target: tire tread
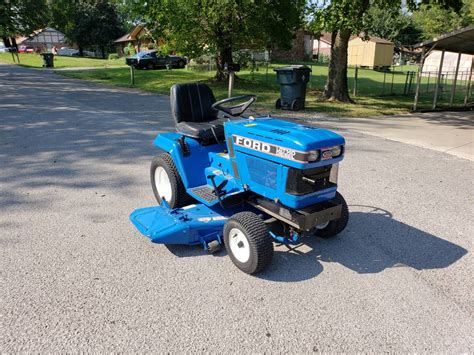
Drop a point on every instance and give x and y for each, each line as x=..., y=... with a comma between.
x=257, y=234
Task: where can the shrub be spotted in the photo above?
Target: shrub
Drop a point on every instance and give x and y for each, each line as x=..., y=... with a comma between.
x=129, y=50
x=113, y=56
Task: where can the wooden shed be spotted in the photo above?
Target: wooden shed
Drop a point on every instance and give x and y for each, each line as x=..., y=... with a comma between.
x=374, y=53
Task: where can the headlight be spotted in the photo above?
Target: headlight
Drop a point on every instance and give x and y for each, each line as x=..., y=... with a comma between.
x=313, y=155
x=336, y=151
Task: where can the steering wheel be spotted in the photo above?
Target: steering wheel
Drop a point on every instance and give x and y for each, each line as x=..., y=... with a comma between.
x=238, y=109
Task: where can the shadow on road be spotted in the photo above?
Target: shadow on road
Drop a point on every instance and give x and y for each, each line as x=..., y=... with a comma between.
x=71, y=134
x=372, y=242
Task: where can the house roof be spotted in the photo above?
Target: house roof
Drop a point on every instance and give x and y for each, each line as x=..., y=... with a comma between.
x=21, y=39
x=460, y=41
x=129, y=37
x=325, y=37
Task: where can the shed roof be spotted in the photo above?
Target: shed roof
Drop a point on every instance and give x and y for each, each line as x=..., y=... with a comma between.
x=459, y=41
x=372, y=39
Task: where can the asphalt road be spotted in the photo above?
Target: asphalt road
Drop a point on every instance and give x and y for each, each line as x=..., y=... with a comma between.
x=76, y=275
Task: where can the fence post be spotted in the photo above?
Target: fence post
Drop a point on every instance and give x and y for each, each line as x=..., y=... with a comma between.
x=266, y=71
x=391, y=86
x=132, y=75
x=355, y=80
x=383, y=85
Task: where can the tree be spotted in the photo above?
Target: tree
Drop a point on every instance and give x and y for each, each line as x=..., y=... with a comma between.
x=21, y=17
x=87, y=22
x=347, y=17
x=435, y=20
x=392, y=24
x=221, y=26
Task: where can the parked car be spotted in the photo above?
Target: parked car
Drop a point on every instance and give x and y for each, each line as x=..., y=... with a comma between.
x=154, y=60
x=4, y=49
x=25, y=49
x=65, y=51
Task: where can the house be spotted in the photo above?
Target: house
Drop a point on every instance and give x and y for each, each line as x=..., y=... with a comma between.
x=322, y=45
x=373, y=53
x=301, y=48
x=139, y=37
x=43, y=39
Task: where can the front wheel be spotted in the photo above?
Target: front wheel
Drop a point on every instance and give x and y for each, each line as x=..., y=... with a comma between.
x=248, y=242
x=166, y=182
x=335, y=227
x=150, y=66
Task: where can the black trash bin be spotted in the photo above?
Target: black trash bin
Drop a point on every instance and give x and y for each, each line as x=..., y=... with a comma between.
x=293, y=80
x=48, y=60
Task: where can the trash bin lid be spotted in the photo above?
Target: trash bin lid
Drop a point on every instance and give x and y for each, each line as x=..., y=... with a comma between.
x=293, y=68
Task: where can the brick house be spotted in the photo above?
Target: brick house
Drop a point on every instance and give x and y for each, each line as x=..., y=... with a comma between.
x=301, y=48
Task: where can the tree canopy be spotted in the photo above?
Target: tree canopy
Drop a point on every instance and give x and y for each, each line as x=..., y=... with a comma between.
x=22, y=17
x=220, y=26
x=88, y=23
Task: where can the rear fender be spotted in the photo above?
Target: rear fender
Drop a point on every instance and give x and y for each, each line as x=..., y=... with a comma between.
x=192, y=167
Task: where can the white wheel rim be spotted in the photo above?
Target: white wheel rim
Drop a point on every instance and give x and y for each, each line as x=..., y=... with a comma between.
x=163, y=184
x=239, y=245
x=322, y=225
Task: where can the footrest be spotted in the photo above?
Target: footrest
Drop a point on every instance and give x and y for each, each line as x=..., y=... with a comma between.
x=204, y=192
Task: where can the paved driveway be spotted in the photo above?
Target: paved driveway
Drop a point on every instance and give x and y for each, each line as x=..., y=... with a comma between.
x=76, y=276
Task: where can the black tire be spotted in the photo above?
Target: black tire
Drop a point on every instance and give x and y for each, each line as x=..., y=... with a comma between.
x=181, y=64
x=338, y=225
x=295, y=105
x=150, y=66
x=278, y=104
x=260, y=244
x=179, y=196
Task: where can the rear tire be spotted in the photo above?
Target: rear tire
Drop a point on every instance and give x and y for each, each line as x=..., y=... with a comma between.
x=338, y=225
x=166, y=182
x=181, y=64
x=248, y=242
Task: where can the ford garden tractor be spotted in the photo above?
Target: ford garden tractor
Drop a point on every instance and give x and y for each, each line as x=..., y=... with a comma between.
x=243, y=182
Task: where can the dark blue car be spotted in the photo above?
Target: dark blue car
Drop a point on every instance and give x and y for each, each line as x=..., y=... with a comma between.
x=154, y=60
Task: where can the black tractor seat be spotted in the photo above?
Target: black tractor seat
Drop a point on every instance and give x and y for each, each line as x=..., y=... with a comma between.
x=191, y=107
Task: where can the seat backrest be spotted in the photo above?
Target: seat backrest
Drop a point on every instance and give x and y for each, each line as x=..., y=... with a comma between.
x=192, y=103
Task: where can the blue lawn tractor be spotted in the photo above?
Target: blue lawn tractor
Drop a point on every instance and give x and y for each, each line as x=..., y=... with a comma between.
x=241, y=181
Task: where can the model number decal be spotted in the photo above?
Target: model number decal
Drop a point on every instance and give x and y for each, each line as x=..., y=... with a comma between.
x=282, y=152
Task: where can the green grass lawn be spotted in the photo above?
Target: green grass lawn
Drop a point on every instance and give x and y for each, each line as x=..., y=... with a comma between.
x=378, y=93
x=36, y=61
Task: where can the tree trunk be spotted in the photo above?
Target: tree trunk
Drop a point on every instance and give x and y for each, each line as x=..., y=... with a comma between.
x=102, y=51
x=81, y=51
x=224, y=55
x=336, y=88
